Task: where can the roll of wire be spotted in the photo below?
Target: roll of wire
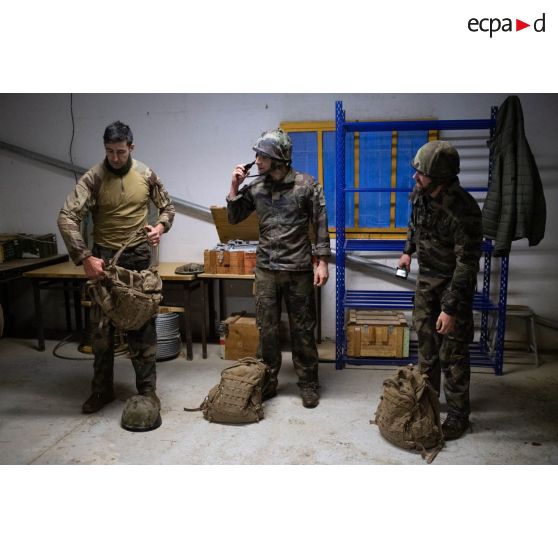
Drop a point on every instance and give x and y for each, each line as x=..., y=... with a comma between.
x=168, y=336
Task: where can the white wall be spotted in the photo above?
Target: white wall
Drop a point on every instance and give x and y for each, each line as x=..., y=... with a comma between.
x=194, y=140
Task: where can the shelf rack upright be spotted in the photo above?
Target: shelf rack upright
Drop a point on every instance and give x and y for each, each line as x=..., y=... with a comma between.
x=482, y=353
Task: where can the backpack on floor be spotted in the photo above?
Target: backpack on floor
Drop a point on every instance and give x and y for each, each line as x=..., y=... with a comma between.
x=237, y=398
x=408, y=414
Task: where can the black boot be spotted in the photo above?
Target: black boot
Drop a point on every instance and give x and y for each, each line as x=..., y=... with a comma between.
x=270, y=386
x=455, y=426
x=310, y=395
x=96, y=401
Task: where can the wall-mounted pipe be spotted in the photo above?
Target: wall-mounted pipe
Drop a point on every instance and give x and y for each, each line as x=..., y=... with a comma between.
x=202, y=211
x=199, y=211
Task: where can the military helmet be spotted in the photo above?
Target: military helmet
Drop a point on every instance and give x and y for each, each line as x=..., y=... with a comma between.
x=141, y=414
x=275, y=144
x=437, y=159
x=189, y=269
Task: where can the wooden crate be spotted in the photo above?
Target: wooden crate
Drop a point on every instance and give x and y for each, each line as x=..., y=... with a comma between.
x=377, y=333
x=224, y=262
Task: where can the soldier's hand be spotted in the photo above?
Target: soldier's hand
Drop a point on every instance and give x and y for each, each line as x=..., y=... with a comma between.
x=94, y=267
x=445, y=323
x=238, y=176
x=405, y=261
x=154, y=233
x=321, y=274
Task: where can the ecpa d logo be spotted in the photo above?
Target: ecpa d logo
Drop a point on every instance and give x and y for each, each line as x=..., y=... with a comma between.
x=493, y=25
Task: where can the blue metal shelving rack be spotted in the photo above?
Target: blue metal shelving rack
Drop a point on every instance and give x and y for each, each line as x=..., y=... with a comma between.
x=481, y=355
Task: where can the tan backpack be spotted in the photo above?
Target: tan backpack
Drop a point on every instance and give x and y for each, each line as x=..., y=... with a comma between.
x=408, y=414
x=127, y=298
x=237, y=398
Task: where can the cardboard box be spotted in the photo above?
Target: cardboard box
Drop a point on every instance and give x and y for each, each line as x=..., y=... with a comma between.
x=245, y=230
x=240, y=336
x=377, y=333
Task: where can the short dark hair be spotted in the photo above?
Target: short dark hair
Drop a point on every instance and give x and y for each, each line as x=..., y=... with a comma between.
x=118, y=131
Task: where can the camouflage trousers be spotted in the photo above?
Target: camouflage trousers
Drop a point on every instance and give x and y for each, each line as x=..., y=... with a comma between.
x=297, y=290
x=142, y=343
x=444, y=353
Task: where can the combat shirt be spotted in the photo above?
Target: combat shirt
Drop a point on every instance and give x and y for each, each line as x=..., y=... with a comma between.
x=446, y=234
x=285, y=209
x=118, y=205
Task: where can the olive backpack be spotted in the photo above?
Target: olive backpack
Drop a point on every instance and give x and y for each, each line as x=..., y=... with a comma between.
x=408, y=414
x=237, y=398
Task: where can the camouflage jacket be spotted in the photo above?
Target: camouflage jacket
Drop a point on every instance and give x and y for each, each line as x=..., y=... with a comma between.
x=446, y=234
x=285, y=210
x=118, y=205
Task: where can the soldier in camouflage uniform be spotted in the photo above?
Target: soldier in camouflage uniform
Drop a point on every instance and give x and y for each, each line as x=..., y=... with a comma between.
x=286, y=203
x=117, y=193
x=445, y=231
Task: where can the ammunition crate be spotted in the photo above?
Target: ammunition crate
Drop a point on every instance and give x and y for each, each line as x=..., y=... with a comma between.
x=38, y=245
x=377, y=333
x=231, y=262
x=10, y=248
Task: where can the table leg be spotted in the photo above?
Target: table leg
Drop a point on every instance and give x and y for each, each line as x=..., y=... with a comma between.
x=211, y=313
x=67, y=306
x=77, y=304
x=5, y=300
x=39, y=315
x=204, y=318
x=222, y=316
x=188, y=322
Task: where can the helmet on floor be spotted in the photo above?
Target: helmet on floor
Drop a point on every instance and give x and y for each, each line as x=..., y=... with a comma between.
x=141, y=414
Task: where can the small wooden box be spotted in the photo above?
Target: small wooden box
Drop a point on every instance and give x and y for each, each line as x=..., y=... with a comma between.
x=232, y=262
x=377, y=333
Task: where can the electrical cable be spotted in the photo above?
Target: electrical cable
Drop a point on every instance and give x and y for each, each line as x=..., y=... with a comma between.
x=73, y=131
x=67, y=340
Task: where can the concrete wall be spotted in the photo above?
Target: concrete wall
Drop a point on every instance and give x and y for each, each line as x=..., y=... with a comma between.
x=194, y=140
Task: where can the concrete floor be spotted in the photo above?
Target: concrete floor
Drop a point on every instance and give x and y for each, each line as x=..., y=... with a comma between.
x=515, y=417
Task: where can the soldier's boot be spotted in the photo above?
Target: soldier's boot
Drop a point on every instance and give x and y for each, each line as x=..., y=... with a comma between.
x=270, y=385
x=96, y=401
x=455, y=426
x=150, y=393
x=310, y=394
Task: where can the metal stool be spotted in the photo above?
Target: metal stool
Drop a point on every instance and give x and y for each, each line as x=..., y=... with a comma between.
x=518, y=311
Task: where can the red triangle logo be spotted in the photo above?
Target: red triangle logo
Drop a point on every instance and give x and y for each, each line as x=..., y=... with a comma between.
x=519, y=25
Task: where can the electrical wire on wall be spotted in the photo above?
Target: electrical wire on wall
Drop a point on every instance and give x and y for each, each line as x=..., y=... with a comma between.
x=73, y=132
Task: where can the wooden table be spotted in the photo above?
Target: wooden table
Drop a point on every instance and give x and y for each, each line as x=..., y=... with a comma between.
x=70, y=278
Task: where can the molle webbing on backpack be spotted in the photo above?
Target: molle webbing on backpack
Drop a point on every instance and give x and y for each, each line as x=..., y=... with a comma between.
x=237, y=398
